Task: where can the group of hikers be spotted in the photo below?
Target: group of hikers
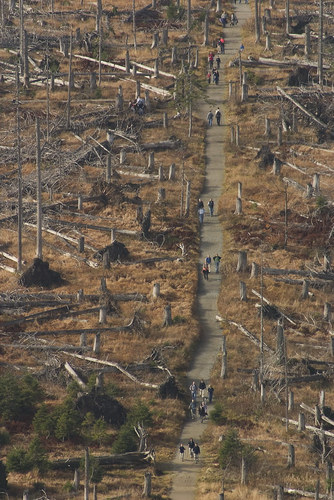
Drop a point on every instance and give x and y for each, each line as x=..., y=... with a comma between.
x=193, y=448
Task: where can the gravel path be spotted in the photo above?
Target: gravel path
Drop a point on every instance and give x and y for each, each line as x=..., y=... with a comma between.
x=186, y=473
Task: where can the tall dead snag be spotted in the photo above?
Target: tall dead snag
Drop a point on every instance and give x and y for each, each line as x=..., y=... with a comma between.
x=206, y=29
x=320, y=44
x=39, y=253
x=287, y=17
x=167, y=316
x=257, y=21
x=19, y=175
x=134, y=24
x=188, y=15
x=68, y=110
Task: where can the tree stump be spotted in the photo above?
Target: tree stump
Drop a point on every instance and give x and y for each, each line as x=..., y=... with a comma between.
x=97, y=340
x=81, y=244
x=167, y=320
x=106, y=260
x=150, y=165
x=83, y=340
x=243, y=471
x=291, y=456
x=164, y=120
x=161, y=195
x=309, y=190
x=267, y=127
x=316, y=183
x=138, y=89
x=165, y=35
x=223, y=372
x=206, y=29
x=238, y=206
x=243, y=291
x=171, y=175
x=80, y=295
x=327, y=311
x=239, y=192
x=268, y=42
x=92, y=81
x=232, y=134
x=99, y=381
x=112, y=235
x=304, y=294
x=331, y=346
x=301, y=422
x=155, y=41
x=161, y=174
x=254, y=270
x=76, y=480
x=147, y=485
x=173, y=56
x=237, y=135
x=156, y=290
x=127, y=62
x=280, y=493
x=80, y=202
x=102, y=315
x=156, y=69
x=291, y=400
x=122, y=157
x=277, y=166
x=244, y=92
x=242, y=261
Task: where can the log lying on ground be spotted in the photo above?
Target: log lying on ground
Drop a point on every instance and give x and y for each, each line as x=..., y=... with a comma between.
x=312, y=411
x=311, y=284
x=306, y=494
x=250, y=335
x=51, y=347
x=270, y=304
x=311, y=428
x=135, y=459
x=329, y=276
x=118, y=367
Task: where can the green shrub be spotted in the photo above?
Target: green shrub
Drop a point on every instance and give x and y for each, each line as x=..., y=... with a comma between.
x=216, y=414
x=94, y=431
x=38, y=456
x=3, y=476
x=4, y=437
x=126, y=440
x=44, y=422
x=232, y=449
x=18, y=397
x=68, y=421
x=18, y=461
x=140, y=413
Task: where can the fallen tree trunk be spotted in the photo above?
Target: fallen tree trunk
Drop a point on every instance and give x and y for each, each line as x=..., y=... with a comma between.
x=96, y=228
x=135, y=458
x=118, y=367
x=8, y=268
x=51, y=347
x=311, y=428
x=271, y=304
x=312, y=411
x=250, y=335
x=302, y=108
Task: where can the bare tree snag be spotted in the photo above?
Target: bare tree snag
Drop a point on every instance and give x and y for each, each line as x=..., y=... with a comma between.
x=279, y=135
x=291, y=400
x=206, y=29
x=280, y=349
x=316, y=183
x=237, y=135
x=171, y=175
x=254, y=270
x=307, y=49
x=243, y=479
x=165, y=36
x=76, y=480
x=68, y=108
x=188, y=16
x=232, y=134
x=320, y=44
x=268, y=42
x=257, y=21
x=92, y=81
x=267, y=127
x=155, y=41
x=156, y=68
x=103, y=315
x=305, y=290
x=238, y=206
x=167, y=319
x=97, y=343
x=242, y=261
x=119, y=99
x=39, y=253
x=301, y=422
x=187, y=203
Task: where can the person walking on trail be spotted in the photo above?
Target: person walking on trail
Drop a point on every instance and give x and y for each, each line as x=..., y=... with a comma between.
x=205, y=271
x=218, y=116
x=208, y=262
x=202, y=387
x=211, y=204
x=200, y=204
x=218, y=62
x=201, y=413
x=223, y=19
x=210, y=60
x=221, y=44
x=181, y=450
x=201, y=213
x=209, y=117
x=210, y=392
x=208, y=76
x=196, y=451
x=192, y=408
x=193, y=389
x=191, y=445
x=215, y=76
x=217, y=258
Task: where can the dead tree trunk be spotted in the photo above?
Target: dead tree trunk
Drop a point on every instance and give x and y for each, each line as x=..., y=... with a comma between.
x=242, y=261
x=167, y=321
x=206, y=29
x=257, y=21
x=86, y=486
x=307, y=49
x=280, y=349
x=19, y=175
x=68, y=109
x=188, y=15
x=187, y=204
x=39, y=253
x=291, y=456
x=287, y=17
x=320, y=44
x=147, y=485
x=243, y=291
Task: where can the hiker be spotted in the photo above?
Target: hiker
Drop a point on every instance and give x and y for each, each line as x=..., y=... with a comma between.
x=200, y=204
x=196, y=452
x=201, y=413
x=234, y=19
x=208, y=262
x=218, y=116
x=211, y=205
x=208, y=76
x=216, y=260
x=210, y=118
x=191, y=445
x=221, y=45
x=223, y=19
x=216, y=76
x=210, y=60
x=193, y=389
x=218, y=62
x=201, y=213
x=202, y=387
x=140, y=105
x=242, y=47
x=192, y=408
x=210, y=392
x=181, y=450
x=205, y=271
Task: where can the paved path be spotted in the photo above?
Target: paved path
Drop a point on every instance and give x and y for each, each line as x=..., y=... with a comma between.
x=184, y=480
